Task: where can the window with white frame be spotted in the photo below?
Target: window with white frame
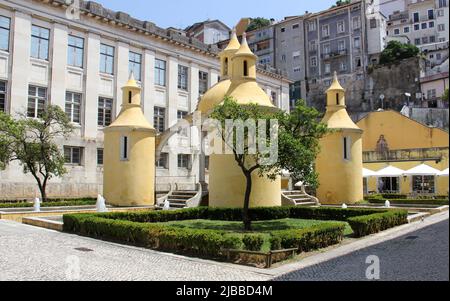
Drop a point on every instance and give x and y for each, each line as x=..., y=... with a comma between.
x=406, y=29
x=75, y=51
x=441, y=27
x=162, y=161
x=325, y=30
x=356, y=22
x=357, y=42
x=312, y=45
x=183, y=77
x=430, y=14
x=106, y=59
x=3, y=86
x=104, y=115
x=327, y=68
x=423, y=26
x=184, y=161
x=134, y=64
x=343, y=66
x=159, y=119
x=37, y=99
x=124, y=148
x=73, y=155
x=160, y=72
x=100, y=156
x=73, y=106
x=416, y=27
x=340, y=26
x=431, y=94
x=397, y=31
x=326, y=49
x=39, y=42
x=5, y=25
x=313, y=61
x=312, y=26
x=202, y=82
x=416, y=17
x=180, y=116
x=341, y=45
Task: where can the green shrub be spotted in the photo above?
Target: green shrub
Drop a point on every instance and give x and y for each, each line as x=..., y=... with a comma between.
x=253, y=242
x=329, y=213
x=374, y=223
x=50, y=203
x=275, y=242
x=411, y=201
x=307, y=239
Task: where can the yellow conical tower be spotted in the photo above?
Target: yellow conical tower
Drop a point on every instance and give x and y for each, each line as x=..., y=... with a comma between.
x=216, y=94
x=129, y=154
x=339, y=163
x=227, y=183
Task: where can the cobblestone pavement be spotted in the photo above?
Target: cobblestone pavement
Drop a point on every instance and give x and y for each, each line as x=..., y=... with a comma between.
x=29, y=253
x=420, y=255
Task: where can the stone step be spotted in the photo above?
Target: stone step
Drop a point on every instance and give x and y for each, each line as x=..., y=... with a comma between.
x=305, y=203
x=177, y=201
x=301, y=199
x=177, y=205
x=179, y=197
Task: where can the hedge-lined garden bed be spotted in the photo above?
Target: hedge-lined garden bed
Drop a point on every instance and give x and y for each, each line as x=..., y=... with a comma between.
x=50, y=203
x=397, y=199
x=152, y=229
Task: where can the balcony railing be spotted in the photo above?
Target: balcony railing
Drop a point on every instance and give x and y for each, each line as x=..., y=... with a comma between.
x=334, y=54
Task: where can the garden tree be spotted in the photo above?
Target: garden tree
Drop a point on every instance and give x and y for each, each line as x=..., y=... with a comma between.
x=31, y=142
x=257, y=23
x=396, y=51
x=341, y=2
x=296, y=142
x=445, y=96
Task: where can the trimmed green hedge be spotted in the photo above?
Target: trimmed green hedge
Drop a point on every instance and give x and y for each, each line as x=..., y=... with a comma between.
x=374, y=223
x=253, y=242
x=308, y=239
x=51, y=203
x=411, y=201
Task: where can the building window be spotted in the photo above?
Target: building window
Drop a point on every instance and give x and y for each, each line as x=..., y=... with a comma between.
x=312, y=26
x=347, y=148
x=162, y=161
x=245, y=68
x=341, y=26
x=159, y=119
x=417, y=41
x=312, y=45
x=341, y=45
x=440, y=13
x=160, y=72
x=134, y=64
x=424, y=26
x=431, y=24
x=124, y=148
x=39, y=42
x=431, y=94
x=396, y=31
x=180, y=116
x=183, y=77
x=104, y=111
x=184, y=161
x=406, y=29
x=373, y=23
x=432, y=39
x=416, y=27
x=274, y=97
x=73, y=154
x=202, y=82
x=356, y=22
x=442, y=3
x=75, y=51
x=2, y=96
x=295, y=26
x=5, y=24
x=441, y=27
x=327, y=68
x=416, y=17
x=37, y=98
x=425, y=40
x=326, y=49
x=314, y=61
x=99, y=156
x=73, y=107
x=423, y=184
x=430, y=14
x=343, y=66
x=357, y=42
x=106, y=59
x=325, y=31
x=358, y=63
x=388, y=185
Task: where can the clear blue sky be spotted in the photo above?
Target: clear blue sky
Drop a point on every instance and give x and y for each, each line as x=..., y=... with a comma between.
x=181, y=13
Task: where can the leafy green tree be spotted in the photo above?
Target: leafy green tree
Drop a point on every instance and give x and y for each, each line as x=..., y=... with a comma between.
x=257, y=23
x=31, y=142
x=296, y=142
x=396, y=51
x=341, y=2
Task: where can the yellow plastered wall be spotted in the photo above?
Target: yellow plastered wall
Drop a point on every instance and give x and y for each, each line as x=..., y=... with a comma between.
x=400, y=132
x=340, y=180
x=131, y=182
x=227, y=185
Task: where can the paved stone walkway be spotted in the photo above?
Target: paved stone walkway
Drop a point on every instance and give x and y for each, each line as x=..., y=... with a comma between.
x=29, y=253
x=420, y=255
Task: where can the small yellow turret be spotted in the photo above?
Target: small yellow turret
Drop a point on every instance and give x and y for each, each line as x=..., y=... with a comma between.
x=339, y=163
x=244, y=62
x=227, y=54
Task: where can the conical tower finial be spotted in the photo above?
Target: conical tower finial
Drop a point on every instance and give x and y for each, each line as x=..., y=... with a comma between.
x=132, y=81
x=245, y=49
x=234, y=42
x=335, y=85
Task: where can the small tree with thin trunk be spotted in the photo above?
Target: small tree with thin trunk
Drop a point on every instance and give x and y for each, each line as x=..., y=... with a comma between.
x=293, y=139
x=31, y=142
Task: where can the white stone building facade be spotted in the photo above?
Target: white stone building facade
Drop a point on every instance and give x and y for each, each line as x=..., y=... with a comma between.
x=79, y=60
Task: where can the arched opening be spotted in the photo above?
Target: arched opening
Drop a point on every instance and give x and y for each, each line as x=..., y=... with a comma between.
x=337, y=98
x=245, y=68
x=225, y=69
x=130, y=96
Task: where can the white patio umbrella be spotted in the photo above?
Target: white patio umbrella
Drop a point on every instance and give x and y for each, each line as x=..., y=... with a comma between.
x=422, y=170
x=390, y=172
x=367, y=173
x=444, y=172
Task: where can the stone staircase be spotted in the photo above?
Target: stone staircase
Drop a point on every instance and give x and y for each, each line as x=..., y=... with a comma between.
x=179, y=199
x=298, y=198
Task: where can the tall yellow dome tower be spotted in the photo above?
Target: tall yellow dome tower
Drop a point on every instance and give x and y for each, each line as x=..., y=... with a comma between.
x=339, y=163
x=226, y=181
x=129, y=154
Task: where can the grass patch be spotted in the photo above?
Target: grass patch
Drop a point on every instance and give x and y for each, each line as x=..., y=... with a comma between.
x=259, y=227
